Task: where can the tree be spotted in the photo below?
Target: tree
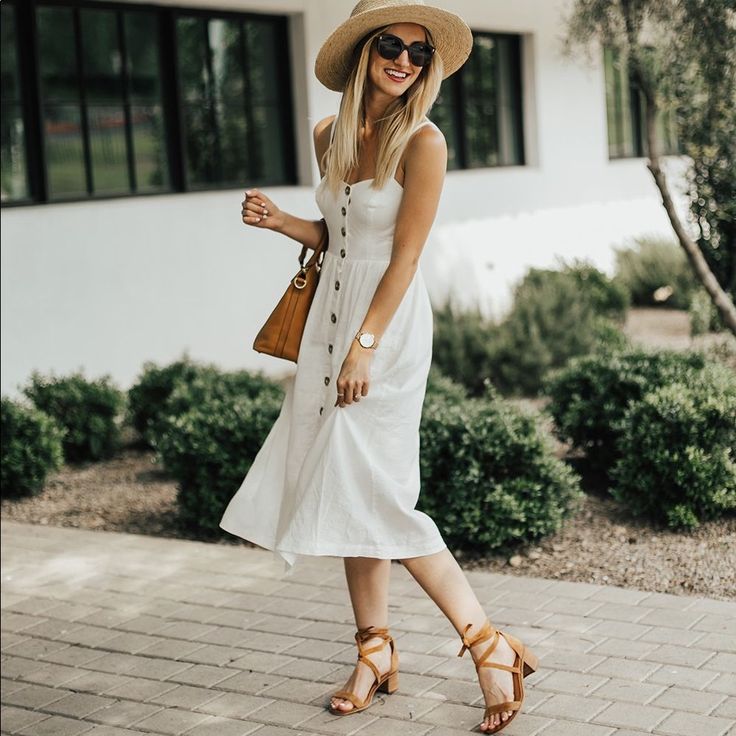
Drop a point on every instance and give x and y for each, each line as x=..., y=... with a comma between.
x=682, y=55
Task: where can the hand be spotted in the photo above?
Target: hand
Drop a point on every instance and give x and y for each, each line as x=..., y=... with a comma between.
x=354, y=377
x=259, y=211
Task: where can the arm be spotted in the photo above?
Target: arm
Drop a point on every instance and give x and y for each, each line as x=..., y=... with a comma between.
x=259, y=211
x=425, y=166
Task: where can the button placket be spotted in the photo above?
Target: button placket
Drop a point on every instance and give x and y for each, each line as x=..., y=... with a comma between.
x=336, y=301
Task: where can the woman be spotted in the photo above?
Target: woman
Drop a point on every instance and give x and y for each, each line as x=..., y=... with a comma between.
x=342, y=478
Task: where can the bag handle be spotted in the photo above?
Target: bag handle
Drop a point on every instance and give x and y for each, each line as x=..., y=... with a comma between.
x=300, y=280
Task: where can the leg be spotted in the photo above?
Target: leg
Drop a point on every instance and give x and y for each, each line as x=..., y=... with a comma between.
x=444, y=581
x=367, y=579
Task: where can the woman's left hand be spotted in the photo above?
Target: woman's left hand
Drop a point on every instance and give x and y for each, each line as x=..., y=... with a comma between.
x=354, y=378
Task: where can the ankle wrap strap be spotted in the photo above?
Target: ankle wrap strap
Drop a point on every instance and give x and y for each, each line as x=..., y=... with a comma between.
x=371, y=632
x=486, y=632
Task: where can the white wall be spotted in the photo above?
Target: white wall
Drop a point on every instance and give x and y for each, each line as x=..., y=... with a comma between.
x=105, y=286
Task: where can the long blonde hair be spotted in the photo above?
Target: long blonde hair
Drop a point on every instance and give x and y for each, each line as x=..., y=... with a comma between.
x=393, y=130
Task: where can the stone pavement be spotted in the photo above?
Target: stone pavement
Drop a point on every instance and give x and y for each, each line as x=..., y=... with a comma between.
x=108, y=634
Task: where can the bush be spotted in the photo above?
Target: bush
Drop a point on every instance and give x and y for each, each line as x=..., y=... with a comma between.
x=704, y=317
x=590, y=396
x=555, y=315
x=87, y=410
x=174, y=389
x=209, y=448
x=676, y=451
x=489, y=478
x=31, y=448
x=655, y=272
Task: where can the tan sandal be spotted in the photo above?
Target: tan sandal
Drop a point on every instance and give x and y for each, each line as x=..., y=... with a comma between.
x=524, y=664
x=387, y=683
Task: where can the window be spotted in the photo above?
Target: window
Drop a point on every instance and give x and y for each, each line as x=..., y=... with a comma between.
x=14, y=171
x=479, y=107
x=625, y=111
x=141, y=100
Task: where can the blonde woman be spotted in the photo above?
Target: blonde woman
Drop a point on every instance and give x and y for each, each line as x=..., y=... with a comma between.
x=338, y=473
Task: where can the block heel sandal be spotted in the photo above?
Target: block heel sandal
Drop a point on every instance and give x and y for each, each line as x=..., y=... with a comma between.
x=387, y=683
x=525, y=663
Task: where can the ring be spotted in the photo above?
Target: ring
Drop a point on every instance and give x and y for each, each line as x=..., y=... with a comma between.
x=341, y=394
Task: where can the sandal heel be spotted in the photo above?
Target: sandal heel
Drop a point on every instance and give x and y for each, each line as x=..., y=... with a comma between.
x=531, y=662
x=390, y=684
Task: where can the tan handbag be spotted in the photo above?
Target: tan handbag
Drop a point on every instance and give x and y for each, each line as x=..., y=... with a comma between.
x=281, y=335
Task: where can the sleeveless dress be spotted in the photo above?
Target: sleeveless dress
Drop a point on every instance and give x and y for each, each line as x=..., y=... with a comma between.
x=344, y=481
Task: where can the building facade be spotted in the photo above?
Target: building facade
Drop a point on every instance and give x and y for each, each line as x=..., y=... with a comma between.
x=131, y=130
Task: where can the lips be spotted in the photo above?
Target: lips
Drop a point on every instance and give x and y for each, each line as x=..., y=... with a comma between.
x=396, y=78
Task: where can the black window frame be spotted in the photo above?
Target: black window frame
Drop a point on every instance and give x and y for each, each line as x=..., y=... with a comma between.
x=454, y=87
x=29, y=71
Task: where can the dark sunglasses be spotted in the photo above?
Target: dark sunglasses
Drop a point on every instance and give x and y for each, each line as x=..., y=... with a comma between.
x=391, y=47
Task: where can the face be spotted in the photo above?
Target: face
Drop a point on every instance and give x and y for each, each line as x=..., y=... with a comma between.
x=404, y=72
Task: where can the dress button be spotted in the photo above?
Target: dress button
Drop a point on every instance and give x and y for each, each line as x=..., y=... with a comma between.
x=342, y=252
x=333, y=318
x=321, y=409
x=329, y=348
x=347, y=190
x=342, y=230
x=327, y=380
x=344, y=211
x=337, y=285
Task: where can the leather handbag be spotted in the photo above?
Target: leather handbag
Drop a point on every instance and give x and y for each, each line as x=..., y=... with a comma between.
x=281, y=335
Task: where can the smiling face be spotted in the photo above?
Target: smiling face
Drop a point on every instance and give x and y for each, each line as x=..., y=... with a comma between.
x=393, y=77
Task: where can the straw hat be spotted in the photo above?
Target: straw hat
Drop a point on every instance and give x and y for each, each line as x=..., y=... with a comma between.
x=451, y=35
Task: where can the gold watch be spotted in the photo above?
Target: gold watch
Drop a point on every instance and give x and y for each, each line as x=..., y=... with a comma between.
x=366, y=340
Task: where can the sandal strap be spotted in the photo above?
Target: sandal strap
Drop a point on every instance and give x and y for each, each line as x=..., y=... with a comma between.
x=486, y=632
x=502, y=707
x=499, y=666
x=373, y=667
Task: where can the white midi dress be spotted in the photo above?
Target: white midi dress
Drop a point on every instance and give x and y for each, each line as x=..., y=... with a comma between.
x=344, y=481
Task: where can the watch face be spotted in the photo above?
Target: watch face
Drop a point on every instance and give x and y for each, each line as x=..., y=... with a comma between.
x=366, y=340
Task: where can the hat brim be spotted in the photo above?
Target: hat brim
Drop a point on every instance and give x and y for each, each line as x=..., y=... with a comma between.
x=452, y=38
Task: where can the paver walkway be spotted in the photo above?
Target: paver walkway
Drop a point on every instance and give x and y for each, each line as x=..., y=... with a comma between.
x=108, y=634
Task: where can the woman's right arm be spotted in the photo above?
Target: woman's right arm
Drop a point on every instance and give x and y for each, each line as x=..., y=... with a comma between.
x=259, y=211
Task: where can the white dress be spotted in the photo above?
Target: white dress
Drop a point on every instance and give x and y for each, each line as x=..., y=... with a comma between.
x=344, y=481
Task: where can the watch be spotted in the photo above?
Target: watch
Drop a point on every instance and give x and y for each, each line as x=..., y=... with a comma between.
x=366, y=339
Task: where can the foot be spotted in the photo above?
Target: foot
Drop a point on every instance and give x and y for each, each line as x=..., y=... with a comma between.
x=497, y=685
x=362, y=678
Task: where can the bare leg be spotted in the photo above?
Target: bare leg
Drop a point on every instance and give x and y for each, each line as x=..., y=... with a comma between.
x=444, y=581
x=367, y=579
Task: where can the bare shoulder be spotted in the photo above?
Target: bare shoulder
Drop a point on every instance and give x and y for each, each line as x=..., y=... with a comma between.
x=427, y=149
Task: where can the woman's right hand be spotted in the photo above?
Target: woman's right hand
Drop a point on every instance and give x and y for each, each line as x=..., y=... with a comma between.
x=259, y=211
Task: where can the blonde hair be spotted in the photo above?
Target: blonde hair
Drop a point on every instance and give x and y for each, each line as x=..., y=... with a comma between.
x=393, y=130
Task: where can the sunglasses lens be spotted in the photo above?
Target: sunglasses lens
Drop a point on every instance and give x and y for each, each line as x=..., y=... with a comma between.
x=389, y=47
x=420, y=54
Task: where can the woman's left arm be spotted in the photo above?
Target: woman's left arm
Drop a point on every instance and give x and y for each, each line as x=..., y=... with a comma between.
x=424, y=173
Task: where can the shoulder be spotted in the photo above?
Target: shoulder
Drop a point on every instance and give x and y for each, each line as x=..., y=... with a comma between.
x=323, y=127
x=427, y=146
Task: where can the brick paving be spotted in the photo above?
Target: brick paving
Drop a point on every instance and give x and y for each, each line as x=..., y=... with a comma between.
x=110, y=634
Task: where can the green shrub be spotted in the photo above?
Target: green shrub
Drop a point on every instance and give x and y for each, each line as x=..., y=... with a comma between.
x=555, y=315
x=590, y=396
x=704, y=317
x=489, y=478
x=209, y=448
x=87, y=409
x=655, y=272
x=677, y=461
x=174, y=389
x=31, y=448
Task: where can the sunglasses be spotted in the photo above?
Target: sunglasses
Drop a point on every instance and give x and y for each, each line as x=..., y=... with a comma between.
x=391, y=47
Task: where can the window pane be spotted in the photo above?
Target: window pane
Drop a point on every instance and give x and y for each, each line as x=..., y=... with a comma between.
x=227, y=60
x=64, y=151
x=108, y=149
x=269, y=163
x=151, y=167
x=14, y=174
x=57, y=55
x=264, y=56
x=481, y=94
x=202, y=155
x=192, y=57
x=511, y=144
x=142, y=48
x=103, y=81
